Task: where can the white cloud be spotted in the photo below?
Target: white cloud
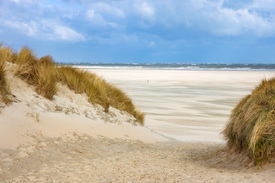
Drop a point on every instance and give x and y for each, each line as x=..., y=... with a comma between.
x=110, y=10
x=46, y=30
x=49, y=19
x=29, y=29
x=97, y=20
x=90, y=14
x=263, y=5
x=217, y=17
x=145, y=9
x=16, y=1
x=67, y=34
x=213, y=17
x=225, y=21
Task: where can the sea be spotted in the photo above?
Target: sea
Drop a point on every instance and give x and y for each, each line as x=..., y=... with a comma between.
x=179, y=66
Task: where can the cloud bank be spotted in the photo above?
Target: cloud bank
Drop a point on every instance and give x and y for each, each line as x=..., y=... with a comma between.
x=154, y=24
x=216, y=17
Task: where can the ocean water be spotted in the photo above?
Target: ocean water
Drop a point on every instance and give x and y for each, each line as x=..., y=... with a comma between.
x=183, y=102
x=169, y=66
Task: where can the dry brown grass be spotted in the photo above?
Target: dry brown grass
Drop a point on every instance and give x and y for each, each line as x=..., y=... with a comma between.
x=251, y=127
x=47, y=80
x=8, y=54
x=38, y=72
x=44, y=74
x=4, y=86
x=98, y=90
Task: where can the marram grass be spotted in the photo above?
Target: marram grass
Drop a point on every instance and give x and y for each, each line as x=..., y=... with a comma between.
x=4, y=86
x=5, y=93
x=44, y=75
x=251, y=126
x=47, y=81
x=98, y=90
x=38, y=72
x=7, y=53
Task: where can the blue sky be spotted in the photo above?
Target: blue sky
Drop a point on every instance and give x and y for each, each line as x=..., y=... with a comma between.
x=111, y=31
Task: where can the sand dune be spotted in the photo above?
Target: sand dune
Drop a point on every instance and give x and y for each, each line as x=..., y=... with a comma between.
x=68, y=112
x=71, y=140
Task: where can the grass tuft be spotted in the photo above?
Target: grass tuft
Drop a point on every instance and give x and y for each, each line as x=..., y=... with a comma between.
x=38, y=72
x=251, y=126
x=4, y=86
x=8, y=54
x=47, y=80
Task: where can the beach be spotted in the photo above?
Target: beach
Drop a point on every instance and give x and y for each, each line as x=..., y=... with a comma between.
x=137, y=91
x=186, y=105
x=71, y=140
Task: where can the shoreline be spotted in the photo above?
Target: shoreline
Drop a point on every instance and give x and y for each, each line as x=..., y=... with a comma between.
x=179, y=67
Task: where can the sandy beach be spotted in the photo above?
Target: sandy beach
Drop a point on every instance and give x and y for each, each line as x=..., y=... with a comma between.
x=185, y=105
x=137, y=91
x=71, y=140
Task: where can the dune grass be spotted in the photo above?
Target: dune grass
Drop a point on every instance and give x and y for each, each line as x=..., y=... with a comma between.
x=4, y=86
x=38, y=72
x=98, y=90
x=251, y=126
x=44, y=75
x=5, y=93
x=8, y=54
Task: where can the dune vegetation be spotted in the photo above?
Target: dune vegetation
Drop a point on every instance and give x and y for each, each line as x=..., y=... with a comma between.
x=251, y=127
x=98, y=90
x=4, y=86
x=40, y=73
x=44, y=74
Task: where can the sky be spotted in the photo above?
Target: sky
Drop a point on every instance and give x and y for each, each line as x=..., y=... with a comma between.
x=142, y=31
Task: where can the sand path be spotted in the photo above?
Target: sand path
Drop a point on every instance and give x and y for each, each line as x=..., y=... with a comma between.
x=82, y=158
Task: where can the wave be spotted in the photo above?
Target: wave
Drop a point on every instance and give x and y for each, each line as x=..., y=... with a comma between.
x=157, y=66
